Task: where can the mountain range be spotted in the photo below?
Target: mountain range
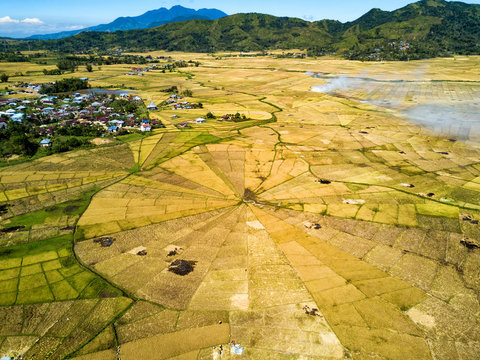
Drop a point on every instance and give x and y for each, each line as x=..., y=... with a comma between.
x=427, y=28
x=150, y=19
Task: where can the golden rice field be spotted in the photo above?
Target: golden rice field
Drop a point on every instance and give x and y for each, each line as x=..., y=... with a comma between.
x=328, y=226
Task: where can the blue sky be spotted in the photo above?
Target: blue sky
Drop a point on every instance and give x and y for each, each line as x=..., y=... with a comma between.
x=26, y=17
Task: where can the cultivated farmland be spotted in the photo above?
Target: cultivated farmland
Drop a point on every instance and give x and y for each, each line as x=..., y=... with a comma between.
x=326, y=224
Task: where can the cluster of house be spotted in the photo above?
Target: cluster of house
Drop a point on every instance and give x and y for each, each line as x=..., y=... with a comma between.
x=156, y=58
x=50, y=112
x=174, y=102
x=28, y=87
x=141, y=71
x=265, y=53
x=226, y=118
x=296, y=55
x=400, y=45
x=186, y=124
x=138, y=71
x=100, y=113
x=116, y=125
x=396, y=47
x=299, y=55
x=120, y=52
x=12, y=110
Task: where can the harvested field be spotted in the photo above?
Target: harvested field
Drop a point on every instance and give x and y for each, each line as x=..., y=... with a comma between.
x=330, y=225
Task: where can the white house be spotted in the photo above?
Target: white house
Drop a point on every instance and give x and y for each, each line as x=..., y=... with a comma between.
x=78, y=100
x=200, y=121
x=152, y=106
x=118, y=123
x=17, y=117
x=46, y=143
x=146, y=127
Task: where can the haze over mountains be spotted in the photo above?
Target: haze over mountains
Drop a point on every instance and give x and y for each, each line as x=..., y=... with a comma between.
x=150, y=19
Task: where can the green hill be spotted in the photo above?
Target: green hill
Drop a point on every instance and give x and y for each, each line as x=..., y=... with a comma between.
x=241, y=32
x=427, y=28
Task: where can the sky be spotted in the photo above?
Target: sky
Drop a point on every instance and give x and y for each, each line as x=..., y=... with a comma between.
x=21, y=18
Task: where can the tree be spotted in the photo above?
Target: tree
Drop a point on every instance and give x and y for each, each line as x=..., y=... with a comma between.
x=187, y=93
x=68, y=144
x=210, y=116
x=65, y=85
x=19, y=144
x=66, y=65
x=124, y=106
x=89, y=68
x=52, y=72
x=80, y=130
x=4, y=78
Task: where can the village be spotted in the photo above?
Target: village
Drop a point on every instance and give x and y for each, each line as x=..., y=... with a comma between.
x=87, y=113
x=47, y=114
x=92, y=113
x=109, y=112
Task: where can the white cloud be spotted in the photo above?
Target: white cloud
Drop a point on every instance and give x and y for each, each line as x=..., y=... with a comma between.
x=18, y=28
x=8, y=20
x=74, y=27
x=35, y=21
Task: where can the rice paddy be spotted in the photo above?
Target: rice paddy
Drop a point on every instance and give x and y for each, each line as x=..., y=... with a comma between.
x=329, y=225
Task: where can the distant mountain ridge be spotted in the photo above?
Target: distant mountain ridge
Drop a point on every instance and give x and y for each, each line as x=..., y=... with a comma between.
x=424, y=29
x=150, y=19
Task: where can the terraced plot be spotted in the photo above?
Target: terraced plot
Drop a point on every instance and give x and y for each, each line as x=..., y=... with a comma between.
x=56, y=329
x=56, y=179
x=47, y=271
x=362, y=283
